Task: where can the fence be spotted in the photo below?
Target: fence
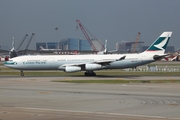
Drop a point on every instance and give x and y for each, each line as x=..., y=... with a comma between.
x=155, y=69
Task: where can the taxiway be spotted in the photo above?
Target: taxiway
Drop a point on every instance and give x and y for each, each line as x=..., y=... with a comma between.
x=37, y=98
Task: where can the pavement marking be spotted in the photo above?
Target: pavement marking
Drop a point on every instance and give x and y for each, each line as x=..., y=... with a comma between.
x=44, y=92
x=105, y=113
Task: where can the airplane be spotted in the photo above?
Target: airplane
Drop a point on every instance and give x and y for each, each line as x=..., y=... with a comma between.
x=90, y=63
x=12, y=52
x=43, y=49
x=106, y=51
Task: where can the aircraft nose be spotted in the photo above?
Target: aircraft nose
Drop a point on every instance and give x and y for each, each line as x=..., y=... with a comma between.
x=9, y=63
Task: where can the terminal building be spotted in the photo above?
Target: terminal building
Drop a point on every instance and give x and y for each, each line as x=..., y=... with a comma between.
x=48, y=45
x=43, y=44
x=78, y=44
x=67, y=44
x=70, y=44
x=52, y=45
x=126, y=46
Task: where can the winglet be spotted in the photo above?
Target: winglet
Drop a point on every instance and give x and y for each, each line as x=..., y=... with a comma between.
x=122, y=58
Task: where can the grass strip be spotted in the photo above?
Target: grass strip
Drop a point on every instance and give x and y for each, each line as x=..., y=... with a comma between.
x=118, y=81
x=98, y=73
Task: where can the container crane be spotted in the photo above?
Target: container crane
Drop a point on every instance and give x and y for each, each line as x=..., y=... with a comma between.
x=83, y=29
x=22, y=42
x=136, y=42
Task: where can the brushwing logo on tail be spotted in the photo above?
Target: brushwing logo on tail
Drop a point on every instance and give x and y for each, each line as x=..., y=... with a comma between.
x=160, y=44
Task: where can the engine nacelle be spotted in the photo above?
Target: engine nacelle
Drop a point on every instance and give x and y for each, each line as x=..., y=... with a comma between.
x=72, y=69
x=93, y=66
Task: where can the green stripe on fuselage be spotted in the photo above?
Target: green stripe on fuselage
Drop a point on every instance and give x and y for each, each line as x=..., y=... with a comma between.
x=9, y=63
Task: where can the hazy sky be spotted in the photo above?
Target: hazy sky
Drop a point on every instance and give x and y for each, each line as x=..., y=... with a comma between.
x=115, y=20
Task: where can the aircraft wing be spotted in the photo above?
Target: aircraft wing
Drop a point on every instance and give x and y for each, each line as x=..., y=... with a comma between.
x=107, y=62
x=102, y=62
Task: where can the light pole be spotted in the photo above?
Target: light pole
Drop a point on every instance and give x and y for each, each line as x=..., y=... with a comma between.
x=56, y=29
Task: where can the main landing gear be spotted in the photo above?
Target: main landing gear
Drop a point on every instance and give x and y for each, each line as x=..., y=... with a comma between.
x=90, y=73
x=22, y=74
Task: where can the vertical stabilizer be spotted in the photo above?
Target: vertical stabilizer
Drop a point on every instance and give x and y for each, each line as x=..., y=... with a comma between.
x=12, y=52
x=41, y=48
x=13, y=42
x=160, y=44
x=105, y=47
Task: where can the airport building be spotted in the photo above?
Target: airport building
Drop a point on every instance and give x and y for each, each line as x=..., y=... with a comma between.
x=84, y=45
x=52, y=45
x=75, y=44
x=126, y=46
x=48, y=45
x=170, y=49
x=69, y=44
x=66, y=44
x=43, y=44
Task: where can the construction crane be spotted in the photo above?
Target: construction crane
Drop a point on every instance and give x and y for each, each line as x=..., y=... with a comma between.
x=83, y=29
x=136, y=42
x=29, y=41
x=22, y=42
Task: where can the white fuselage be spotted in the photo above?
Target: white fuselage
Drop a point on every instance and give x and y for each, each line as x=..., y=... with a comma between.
x=55, y=62
x=89, y=63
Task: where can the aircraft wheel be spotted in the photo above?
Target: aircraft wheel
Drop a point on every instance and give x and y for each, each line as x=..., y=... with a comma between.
x=90, y=73
x=93, y=74
x=22, y=74
x=86, y=74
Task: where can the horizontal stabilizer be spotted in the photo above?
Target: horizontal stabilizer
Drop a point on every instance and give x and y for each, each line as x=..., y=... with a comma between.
x=158, y=57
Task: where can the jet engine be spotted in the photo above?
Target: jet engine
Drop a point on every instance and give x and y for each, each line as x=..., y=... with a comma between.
x=72, y=69
x=92, y=66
